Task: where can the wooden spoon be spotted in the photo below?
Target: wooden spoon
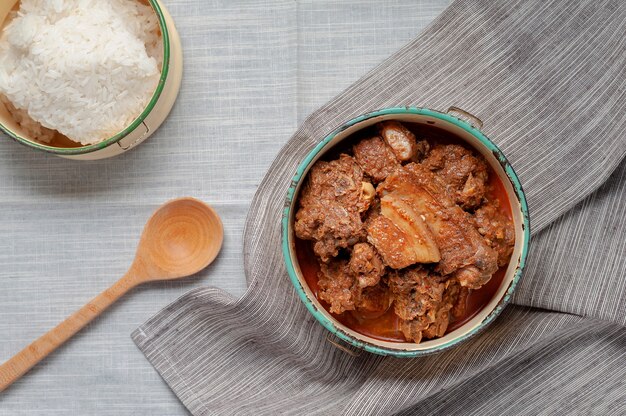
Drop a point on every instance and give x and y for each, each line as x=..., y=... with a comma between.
x=181, y=238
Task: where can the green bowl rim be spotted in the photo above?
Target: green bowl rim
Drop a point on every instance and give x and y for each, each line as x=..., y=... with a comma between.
x=289, y=262
x=114, y=139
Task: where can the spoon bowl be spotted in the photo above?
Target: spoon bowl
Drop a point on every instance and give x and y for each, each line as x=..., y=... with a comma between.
x=181, y=238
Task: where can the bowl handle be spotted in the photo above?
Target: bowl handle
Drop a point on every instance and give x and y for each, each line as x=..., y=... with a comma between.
x=341, y=347
x=466, y=116
x=131, y=140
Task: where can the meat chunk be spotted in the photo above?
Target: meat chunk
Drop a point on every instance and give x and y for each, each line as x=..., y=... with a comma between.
x=452, y=307
x=416, y=293
x=347, y=286
x=423, y=301
x=413, y=330
x=337, y=286
x=366, y=265
x=339, y=180
x=460, y=306
x=375, y=158
x=368, y=193
x=331, y=203
x=331, y=226
x=438, y=327
x=373, y=300
x=497, y=229
x=464, y=174
x=402, y=141
x=464, y=252
x=372, y=213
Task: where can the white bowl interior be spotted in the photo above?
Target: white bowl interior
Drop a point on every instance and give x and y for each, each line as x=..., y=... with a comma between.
x=516, y=210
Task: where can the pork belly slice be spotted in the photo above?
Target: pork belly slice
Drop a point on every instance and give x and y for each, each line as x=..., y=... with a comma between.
x=400, y=238
x=464, y=253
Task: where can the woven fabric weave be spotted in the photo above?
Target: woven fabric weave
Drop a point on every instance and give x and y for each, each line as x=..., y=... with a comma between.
x=547, y=78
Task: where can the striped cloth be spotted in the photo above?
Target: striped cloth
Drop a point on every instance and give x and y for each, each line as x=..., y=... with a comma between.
x=548, y=80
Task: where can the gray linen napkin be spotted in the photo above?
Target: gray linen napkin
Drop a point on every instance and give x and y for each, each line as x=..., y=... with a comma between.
x=548, y=78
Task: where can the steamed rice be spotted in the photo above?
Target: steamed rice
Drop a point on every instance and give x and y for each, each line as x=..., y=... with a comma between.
x=85, y=68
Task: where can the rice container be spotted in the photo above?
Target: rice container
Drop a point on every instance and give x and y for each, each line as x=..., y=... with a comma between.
x=142, y=127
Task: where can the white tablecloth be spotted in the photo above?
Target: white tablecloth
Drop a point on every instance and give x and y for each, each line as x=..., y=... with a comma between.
x=253, y=71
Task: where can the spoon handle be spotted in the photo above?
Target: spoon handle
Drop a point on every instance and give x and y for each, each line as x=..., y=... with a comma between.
x=39, y=349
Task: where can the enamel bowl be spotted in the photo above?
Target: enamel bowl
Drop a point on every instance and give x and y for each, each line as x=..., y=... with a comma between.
x=467, y=129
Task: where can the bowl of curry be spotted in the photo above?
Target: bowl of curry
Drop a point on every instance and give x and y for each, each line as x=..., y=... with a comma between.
x=406, y=230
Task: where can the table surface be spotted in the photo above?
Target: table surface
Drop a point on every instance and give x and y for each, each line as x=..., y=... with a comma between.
x=253, y=71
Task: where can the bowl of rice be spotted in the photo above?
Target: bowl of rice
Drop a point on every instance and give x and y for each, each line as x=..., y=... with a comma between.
x=86, y=79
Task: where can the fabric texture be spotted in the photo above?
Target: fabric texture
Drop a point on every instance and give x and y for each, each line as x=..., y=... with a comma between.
x=547, y=79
